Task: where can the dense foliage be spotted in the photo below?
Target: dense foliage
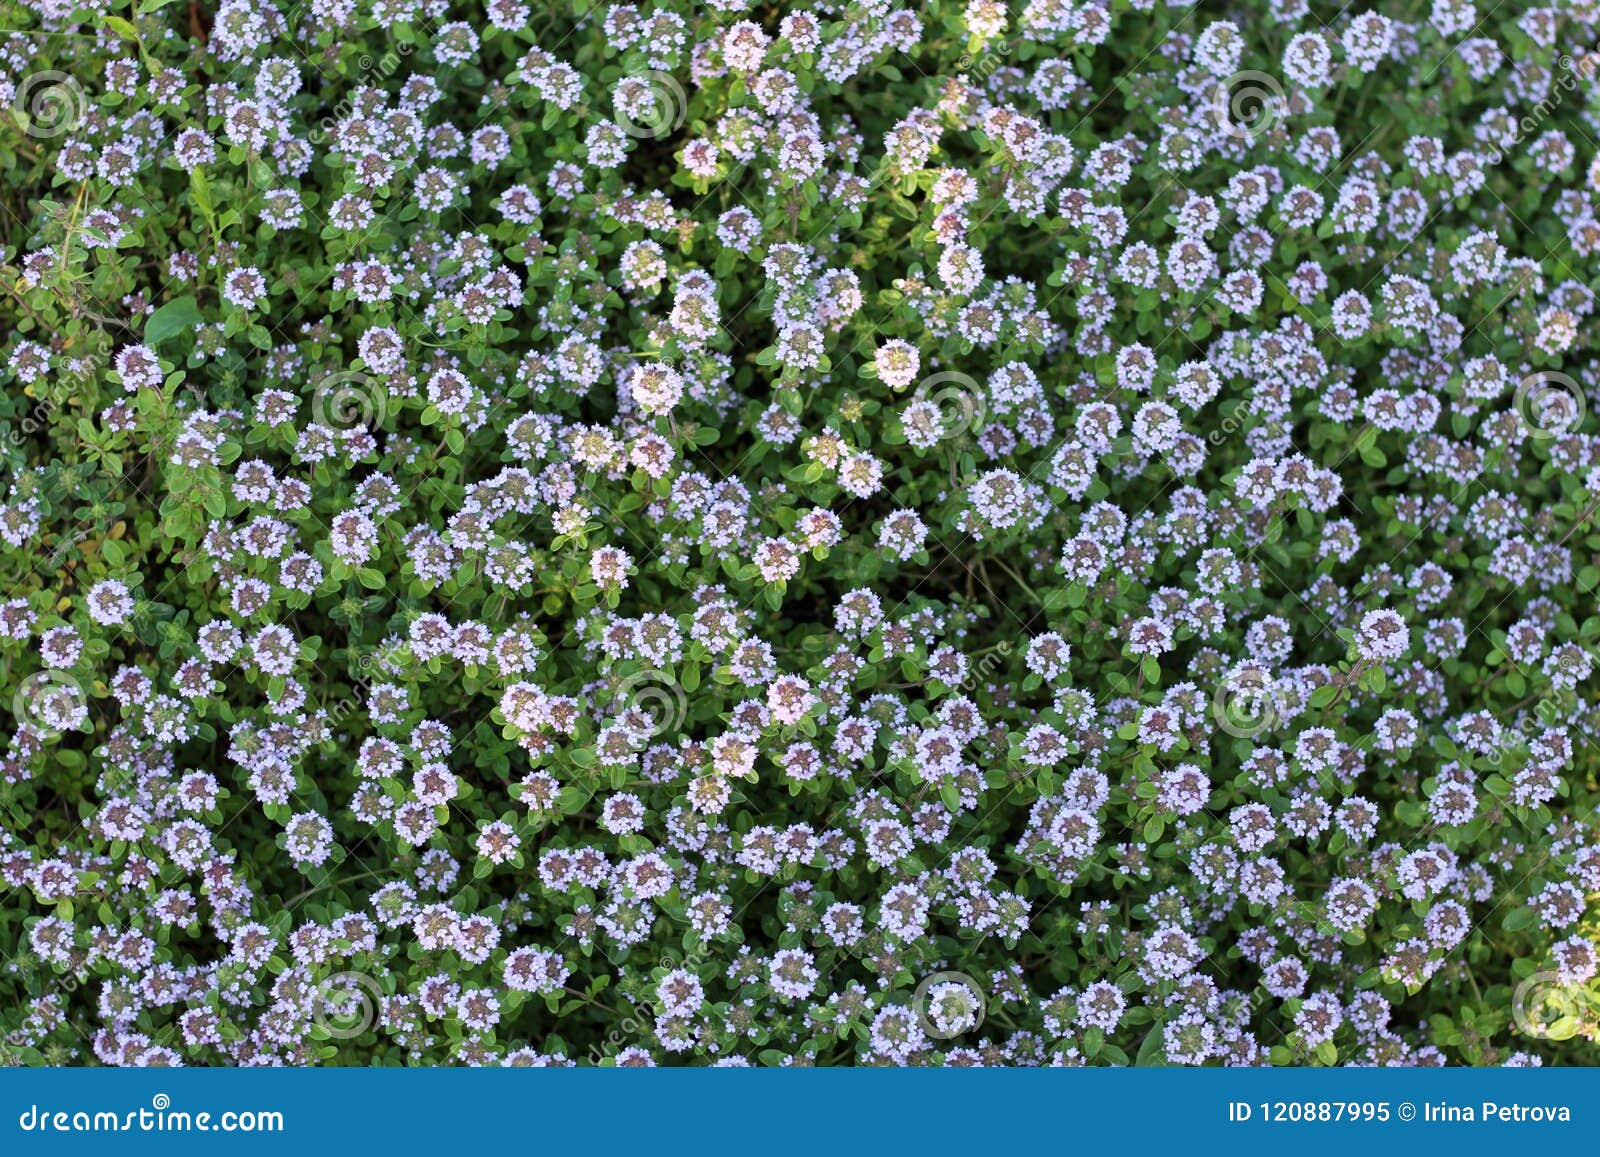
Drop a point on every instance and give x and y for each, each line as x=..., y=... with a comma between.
x=1059, y=533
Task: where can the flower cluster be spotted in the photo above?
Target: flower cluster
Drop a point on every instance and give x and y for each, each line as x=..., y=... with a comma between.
x=964, y=533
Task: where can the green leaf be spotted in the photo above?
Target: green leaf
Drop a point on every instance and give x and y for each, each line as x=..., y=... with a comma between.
x=1153, y=1052
x=1517, y=919
x=200, y=192
x=176, y=317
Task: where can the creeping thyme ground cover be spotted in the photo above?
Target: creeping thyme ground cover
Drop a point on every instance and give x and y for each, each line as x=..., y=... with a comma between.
x=838, y=533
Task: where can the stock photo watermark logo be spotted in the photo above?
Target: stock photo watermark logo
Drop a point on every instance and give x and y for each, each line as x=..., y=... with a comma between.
x=61, y=551
x=1549, y=404
x=49, y=703
x=1572, y=664
x=1248, y=104
x=49, y=104
x=345, y=1005
x=348, y=401
x=371, y=666
x=37, y=420
x=650, y=703
x=641, y=1017
x=985, y=666
x=951, y=403
x=371, y=69
x=385, y=661
x=1568, y=75
x=1546, y=1006
x=1245, y=703
x=158, y=1117
x=949, y=1004
x=650, y=105
x=768, y=725
x=988, y=60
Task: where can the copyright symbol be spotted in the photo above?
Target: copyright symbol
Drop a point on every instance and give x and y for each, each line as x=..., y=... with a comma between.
x=1408, y=1111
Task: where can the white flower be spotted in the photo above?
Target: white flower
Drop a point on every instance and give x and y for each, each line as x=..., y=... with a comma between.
x=109, y=602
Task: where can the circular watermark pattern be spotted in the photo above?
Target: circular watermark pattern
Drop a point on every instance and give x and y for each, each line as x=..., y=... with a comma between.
x=1547, y=1007
x=989, y=58
x=649, y=105
x=346, y=1004
x=349, y=400
x=49, y=104
x=949, y=1004
x=650, y=704
x=1549, y=404
x=1248, y=104
x=959, y=400
x=48, y=703
x=1246, y=703
x=383, y=660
